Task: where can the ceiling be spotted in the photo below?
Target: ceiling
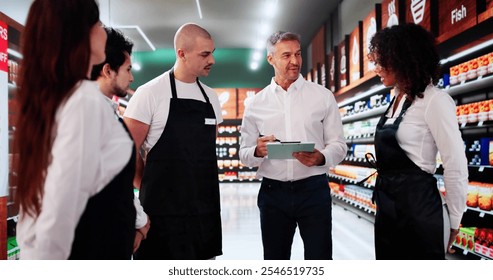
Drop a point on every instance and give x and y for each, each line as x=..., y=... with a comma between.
x=232, y=23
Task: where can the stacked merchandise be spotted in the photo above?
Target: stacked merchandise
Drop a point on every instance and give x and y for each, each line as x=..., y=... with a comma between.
x=476, y=240
x=472, y=69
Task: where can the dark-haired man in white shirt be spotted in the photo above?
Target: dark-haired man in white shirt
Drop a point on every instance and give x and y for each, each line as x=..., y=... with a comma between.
x=114, y=77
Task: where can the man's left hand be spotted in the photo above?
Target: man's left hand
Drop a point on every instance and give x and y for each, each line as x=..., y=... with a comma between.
x=315, y=158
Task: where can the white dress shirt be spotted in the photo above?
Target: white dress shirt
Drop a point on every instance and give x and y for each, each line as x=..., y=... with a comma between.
x=90, y=148
x=430, y=126
x=306, y=112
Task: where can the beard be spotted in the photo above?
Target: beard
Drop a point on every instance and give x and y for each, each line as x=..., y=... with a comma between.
x=120, y=92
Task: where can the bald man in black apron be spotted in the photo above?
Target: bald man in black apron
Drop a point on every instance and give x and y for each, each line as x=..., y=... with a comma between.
x=180, y=187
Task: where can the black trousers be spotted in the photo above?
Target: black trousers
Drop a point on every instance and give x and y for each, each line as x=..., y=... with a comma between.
x=304, y=203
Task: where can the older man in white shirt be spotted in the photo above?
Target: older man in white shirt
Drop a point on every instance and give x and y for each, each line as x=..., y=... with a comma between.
x=294, y=192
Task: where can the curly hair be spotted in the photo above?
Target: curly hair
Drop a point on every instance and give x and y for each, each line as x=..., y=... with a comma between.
x=410, y=52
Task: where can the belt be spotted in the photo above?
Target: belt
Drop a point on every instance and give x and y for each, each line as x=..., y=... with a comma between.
x=291, y=183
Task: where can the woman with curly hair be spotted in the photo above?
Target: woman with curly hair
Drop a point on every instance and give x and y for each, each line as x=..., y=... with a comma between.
x=411, y=221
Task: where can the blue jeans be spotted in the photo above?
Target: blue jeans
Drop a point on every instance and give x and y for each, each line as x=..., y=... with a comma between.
x=304, y=203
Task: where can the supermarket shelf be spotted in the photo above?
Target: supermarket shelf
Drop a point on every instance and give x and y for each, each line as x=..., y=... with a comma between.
x=350, y=160
x=354, y=159
x=466, y=252
x=350, y=181
x=485, y=124
x=244, y=168
x=360, y=210
x=470, y=86
x=365, y=115
x=374, y=90
x=226, y=144
x=481, y=168
x=14, y=218
x=482, y=213
x=364, y=139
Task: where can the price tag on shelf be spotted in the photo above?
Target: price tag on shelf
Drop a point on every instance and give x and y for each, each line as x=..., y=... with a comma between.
x=480, y=77
x=481, y=168
x=462, y=125
x=480, y=123
x=481, y=214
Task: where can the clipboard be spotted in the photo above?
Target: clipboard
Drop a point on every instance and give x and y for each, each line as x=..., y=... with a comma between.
x=285, y=150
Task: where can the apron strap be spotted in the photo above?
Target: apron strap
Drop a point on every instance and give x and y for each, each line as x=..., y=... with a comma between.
x=370, y=159
x=173, y=86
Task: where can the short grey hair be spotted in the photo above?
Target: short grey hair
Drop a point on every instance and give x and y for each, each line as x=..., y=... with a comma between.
x=280, y=36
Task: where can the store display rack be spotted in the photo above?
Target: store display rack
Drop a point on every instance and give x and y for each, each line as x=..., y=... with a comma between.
x=8, y=208
x=356, y=107
x=227, y=150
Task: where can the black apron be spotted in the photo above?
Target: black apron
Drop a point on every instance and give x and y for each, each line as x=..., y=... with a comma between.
x=409, y=220
x=106, y=229
x=180, y=186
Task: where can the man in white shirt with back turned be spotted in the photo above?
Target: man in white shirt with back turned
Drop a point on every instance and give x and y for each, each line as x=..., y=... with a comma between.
x=294, y=192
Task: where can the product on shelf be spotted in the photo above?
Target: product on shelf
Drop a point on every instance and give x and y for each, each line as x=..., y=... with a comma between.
x=355, y=173
x=246, y=175
x=472, y=195
x=465, y=238
x=474, y=112
x=337, y=189
x=360, y=128
x=13, y=250
x=359, y=150
x=454, y=75
x=471, y=69
x=483, y=243
x=232, y=152
x=486, y=151
x=484, y=110
x=483, y=62
x=485, y=195
x=490, y=153
x=227, y=146
x=360, y=196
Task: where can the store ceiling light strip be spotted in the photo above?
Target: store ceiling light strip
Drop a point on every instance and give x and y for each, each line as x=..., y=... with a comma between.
x=466, y=52
x=363, y=95
x=198, y=8
x=141, y=34
x=14, y=53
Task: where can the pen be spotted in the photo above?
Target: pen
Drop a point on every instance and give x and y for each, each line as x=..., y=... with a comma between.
x=275, y=140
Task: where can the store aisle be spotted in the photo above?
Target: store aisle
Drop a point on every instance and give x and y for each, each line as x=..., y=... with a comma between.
x=352, y=236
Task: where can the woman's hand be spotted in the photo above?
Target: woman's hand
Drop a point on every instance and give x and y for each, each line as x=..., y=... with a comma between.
x=453, y=235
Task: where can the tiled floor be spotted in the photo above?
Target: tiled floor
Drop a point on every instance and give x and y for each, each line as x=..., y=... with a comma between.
x=352, y=236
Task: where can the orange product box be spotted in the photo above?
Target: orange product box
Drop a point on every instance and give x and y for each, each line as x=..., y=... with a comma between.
x=454, y=74
x=483, y=62
x=485, y=196
x=472, y=71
